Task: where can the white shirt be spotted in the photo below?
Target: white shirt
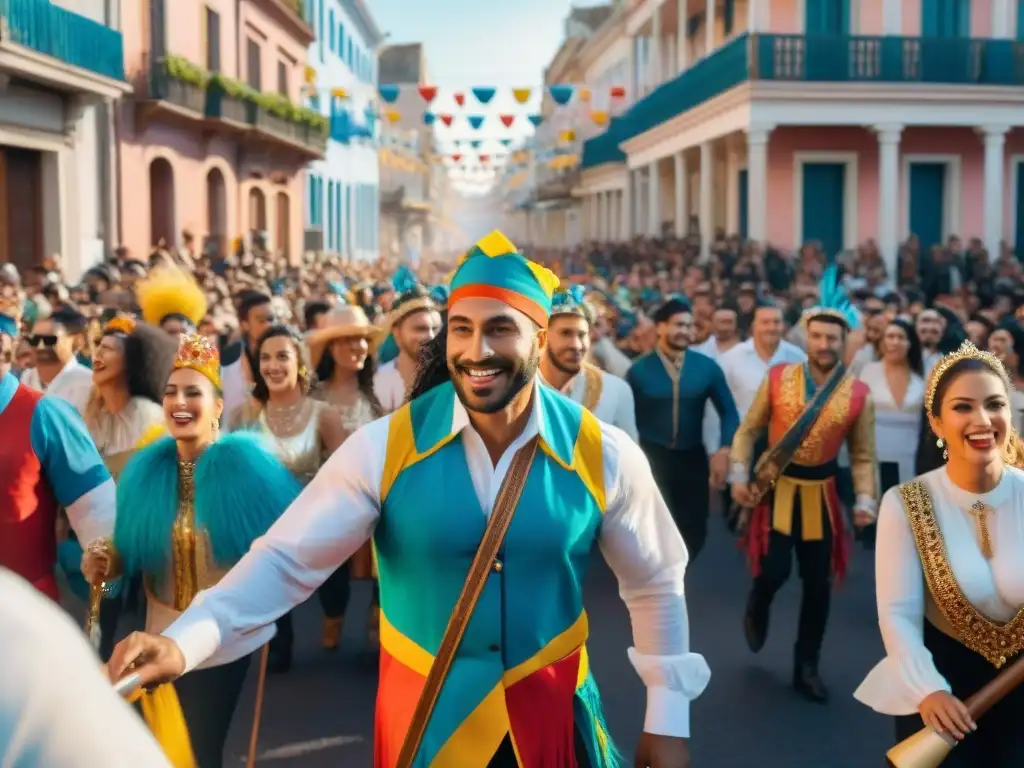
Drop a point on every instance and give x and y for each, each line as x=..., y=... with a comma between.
x=234, y=384
x=337, y=512
x=712, y=428
x=897, y=426
x=57, y=709
x=73, y=383
x=615, y=406
x=745, y=370
x=389, y=386
x=898, y=684
x=610, y=358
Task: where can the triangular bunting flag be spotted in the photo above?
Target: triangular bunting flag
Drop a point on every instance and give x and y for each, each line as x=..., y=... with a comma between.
x=476, y=121
x=484, y=95
x=584, y=94
x=460, y=99
x=506, y=142
x=522, y=95
x=507, y=120
x=599, y=118
x=536, y=120
x=446, y=119
x=617, y=92
x=429, y=118
x=340, y=93
x=475, y=143
x=561, y=94
x=389, y=93
x=428, y=92
x=393, y=115
x=456, y=157
x=484, y=158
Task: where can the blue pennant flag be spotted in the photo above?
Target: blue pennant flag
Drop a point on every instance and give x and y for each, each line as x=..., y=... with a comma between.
x=536, y=120
x=390, y=93
x=561, y=94
x=429, y=118
x=484, y=95
x=475, y=143
x=476, y=121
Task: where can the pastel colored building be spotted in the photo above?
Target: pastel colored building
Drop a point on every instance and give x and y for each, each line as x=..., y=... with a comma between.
x=61, y=67
x=214, y=140
x=343, y=189
x=831, y=120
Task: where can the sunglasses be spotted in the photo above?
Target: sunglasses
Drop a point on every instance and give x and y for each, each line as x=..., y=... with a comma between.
x=44, y=340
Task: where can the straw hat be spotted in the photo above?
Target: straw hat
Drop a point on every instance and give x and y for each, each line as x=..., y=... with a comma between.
x=340, y=323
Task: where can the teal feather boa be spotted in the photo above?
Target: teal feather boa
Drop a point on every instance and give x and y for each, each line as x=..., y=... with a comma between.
x=241, y=489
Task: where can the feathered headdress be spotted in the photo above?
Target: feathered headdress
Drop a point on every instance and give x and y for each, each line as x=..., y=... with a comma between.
x=833, y=302
x=170, y=290
x=412, y=297
x=572, y=301
x=197, y=352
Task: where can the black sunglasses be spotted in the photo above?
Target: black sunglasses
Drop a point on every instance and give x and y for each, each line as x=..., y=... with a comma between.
x=44, y=340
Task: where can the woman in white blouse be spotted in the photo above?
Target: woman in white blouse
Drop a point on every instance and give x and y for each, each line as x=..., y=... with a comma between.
x=950, y=570
x=897, y=389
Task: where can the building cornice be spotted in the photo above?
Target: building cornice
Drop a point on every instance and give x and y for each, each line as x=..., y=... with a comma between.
x=361, y=15
x=603, y=38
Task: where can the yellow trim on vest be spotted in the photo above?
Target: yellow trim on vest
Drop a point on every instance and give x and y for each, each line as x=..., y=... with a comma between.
x=478, y=737
x=402, y=649
x=587, y=458
x=401, y=449
x=559, y=647
x=812, y=507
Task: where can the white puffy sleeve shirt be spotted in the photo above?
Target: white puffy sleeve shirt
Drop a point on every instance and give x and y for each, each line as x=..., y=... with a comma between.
x=898, y=684
x=337, y=512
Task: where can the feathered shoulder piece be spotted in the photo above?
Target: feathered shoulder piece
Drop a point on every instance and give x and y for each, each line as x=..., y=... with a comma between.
x=241, y=488
x=833, y=302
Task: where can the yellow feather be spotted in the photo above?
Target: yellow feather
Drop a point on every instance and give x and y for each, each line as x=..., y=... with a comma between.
x=495, y=244
x=548, y=280
x=167, y=291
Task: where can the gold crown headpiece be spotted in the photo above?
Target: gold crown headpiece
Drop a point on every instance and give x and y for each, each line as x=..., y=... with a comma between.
x=197, y=352
x=967, y=351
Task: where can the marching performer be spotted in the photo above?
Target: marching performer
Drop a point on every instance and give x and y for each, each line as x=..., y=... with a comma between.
x=189, y=507
x=564, y=366
x=809, y=409
x=47, y=461
x=413, y=321
x=519, y=691
x=672, y=386
x=948, y=565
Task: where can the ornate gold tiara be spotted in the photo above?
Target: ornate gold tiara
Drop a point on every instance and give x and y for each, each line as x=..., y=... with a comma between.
x=200, y=354
x=967, y=351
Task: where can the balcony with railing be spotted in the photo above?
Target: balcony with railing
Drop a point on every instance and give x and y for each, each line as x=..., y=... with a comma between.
x=838, y=59
x=49, y=44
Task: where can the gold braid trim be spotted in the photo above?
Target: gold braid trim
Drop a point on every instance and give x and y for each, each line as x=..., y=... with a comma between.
x=593, y=386
x=991, y=640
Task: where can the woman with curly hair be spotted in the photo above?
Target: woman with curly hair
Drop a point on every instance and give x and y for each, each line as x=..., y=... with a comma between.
x=339, y=351
x=303, y=431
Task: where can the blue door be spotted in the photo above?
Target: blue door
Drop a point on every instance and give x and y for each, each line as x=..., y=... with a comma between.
x=824, y=205
x=827, y=17
x=1020, y=211
x=927, y=203
x=743, y=207
x=946, y=18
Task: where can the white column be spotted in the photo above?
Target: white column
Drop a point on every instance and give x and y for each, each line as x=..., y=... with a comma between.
x=753, y=17
x=639, y=212
x=604, y=213
x=732, y=190
x=615, y=216
x=631, y=79
x=656, y=47
x=888, y=193
x=682, y=40
x=709, y=28
x=892, y=17
x=757, y=183
x=1000, y=10
x=707, y=225
x=625, y=210
x=682, y=190
x=653, y=199
x=594, y=224
x=995, y=139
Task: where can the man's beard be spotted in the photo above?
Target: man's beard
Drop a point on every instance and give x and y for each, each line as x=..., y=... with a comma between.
x=568, y=369
x=46, y=356
x=519, y=378
x=824, y=363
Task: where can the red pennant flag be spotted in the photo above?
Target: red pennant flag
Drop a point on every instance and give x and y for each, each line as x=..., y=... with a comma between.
x=460, y=99
x=508, y=120
x=484, y=158
x=446, y=119
x=428, y=92
x=618, y=92
x=456, y=157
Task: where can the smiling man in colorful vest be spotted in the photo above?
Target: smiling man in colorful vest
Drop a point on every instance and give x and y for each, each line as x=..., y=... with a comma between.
x=47, y=461
x=427, y=482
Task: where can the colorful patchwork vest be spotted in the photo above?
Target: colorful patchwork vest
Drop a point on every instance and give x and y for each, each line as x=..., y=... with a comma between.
x=522, y=669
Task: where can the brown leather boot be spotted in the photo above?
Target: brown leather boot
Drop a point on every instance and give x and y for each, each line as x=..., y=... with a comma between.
x=332, y=633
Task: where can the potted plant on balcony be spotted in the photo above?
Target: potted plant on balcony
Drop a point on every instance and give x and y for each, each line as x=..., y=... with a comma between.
x=177, y=80
x=229, y=99
x=275, y=114
x=315, y=129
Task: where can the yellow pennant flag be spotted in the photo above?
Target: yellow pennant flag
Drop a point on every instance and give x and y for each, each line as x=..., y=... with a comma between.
x=599, y=118
x=340, y=93
x=310, y=75
x=584, y=95
x=393, y=115
x=522, y=95
x=567, y=136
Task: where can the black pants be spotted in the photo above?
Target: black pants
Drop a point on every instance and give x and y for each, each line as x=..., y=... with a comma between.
x=208, y=699
x=682, y=478
x=814, y=564
x=283, y=641
x=505, y=757
x=999, y=740
x=889, y=477
x=335, y=592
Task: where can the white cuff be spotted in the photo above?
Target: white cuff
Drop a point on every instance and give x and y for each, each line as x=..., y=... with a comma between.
x=668, y=713
x=196, y=634
x=739, y=474
x=672, y=682
x=867, y=504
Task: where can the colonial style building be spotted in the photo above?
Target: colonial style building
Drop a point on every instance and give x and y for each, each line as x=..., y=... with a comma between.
x=61, y=66
x=828, y=120
x=215, y=139
x=343, y=189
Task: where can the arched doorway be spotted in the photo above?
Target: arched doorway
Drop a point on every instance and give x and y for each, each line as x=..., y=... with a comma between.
x=257, y=210
x=283, y=234
x=161, y=202
x=216, y=211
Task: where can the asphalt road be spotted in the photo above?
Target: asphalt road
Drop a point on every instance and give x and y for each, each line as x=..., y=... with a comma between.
x=321, y=713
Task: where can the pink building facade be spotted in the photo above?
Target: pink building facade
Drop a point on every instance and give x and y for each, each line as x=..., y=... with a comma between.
x=830, y=120
x=215, y=141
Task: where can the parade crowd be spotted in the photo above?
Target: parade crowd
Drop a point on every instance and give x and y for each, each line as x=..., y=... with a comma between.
x=200, y=445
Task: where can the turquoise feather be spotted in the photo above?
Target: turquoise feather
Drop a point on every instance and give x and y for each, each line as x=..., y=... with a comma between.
x=388, y=350
x=241, y=489
x=404, y=280
x=590, y=718
x=832, y=296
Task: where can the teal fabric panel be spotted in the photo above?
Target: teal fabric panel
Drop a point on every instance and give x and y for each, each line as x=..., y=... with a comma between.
x=823, y=204
x=927, y=203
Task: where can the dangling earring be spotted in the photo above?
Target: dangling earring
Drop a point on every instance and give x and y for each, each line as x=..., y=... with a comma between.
x=945, y=453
